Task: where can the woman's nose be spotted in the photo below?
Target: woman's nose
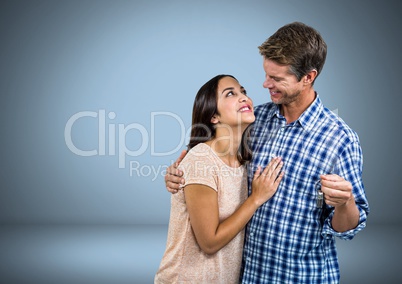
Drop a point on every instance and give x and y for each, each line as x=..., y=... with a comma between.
x=243, y=98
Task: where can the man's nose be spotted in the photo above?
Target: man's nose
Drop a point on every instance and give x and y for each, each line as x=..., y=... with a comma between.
x=267, y=83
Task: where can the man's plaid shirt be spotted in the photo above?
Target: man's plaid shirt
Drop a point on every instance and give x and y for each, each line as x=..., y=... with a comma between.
x=289, y=239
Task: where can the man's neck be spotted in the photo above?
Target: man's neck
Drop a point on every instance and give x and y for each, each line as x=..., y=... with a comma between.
x=294, y=110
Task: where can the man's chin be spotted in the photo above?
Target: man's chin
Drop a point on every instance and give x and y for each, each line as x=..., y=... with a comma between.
x=276, y=101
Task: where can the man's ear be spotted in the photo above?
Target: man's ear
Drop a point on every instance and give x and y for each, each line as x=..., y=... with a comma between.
x=309, y=78
x=214, y=119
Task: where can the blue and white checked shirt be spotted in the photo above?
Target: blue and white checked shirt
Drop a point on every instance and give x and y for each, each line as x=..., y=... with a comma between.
x=289, y=239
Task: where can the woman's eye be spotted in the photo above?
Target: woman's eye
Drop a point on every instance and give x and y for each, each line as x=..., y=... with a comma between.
x=244, y=92
x=229, y=94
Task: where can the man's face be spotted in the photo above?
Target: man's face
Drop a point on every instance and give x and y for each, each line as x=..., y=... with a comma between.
x=283, y=86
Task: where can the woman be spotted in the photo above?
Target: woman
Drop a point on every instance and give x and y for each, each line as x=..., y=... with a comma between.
x=207, y=218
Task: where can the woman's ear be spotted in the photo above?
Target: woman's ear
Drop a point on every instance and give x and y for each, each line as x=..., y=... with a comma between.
x=214, y=119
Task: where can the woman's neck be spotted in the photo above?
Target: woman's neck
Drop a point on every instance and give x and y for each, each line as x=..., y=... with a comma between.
x=226, y=144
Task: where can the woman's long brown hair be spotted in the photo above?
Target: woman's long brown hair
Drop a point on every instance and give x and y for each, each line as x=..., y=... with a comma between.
x=204, y=108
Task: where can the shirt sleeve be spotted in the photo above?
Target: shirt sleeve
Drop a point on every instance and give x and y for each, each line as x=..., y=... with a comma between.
x=350, y=167
x=199, y=169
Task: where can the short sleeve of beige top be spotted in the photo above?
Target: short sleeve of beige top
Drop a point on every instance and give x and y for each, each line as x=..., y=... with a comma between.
x=183, y=260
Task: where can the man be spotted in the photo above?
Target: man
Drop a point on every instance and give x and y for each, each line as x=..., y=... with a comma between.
x=291, y=238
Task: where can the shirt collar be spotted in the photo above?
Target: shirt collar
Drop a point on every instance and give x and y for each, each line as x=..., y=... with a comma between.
x=307, y=119
x=274, y=112
x=310, y=116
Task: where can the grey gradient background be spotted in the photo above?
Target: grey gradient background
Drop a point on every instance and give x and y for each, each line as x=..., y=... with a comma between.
x=135, y=58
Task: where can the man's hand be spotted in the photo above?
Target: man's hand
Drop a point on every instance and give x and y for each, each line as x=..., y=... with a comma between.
x=337, y=191
x=173, y=177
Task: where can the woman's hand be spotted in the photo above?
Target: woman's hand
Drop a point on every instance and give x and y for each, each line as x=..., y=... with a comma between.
x=266, y=182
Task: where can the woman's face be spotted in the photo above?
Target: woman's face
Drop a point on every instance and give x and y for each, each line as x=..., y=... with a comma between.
x=234, y=106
